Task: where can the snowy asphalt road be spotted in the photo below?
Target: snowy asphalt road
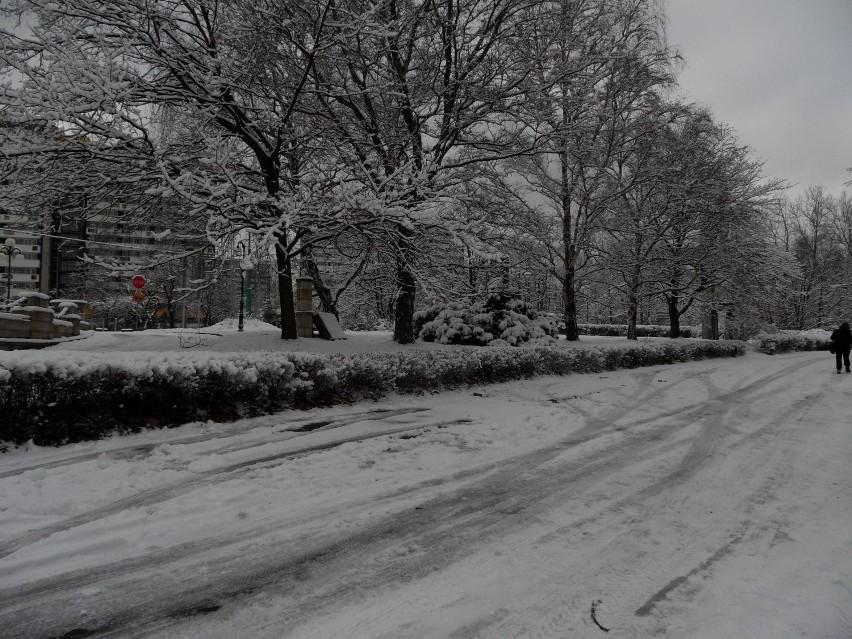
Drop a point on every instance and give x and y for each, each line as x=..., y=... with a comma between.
x=709, y=499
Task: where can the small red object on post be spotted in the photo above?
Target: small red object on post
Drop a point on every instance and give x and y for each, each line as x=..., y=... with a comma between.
x=139, y=281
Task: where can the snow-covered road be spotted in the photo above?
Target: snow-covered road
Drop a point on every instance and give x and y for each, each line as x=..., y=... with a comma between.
x=709, y=499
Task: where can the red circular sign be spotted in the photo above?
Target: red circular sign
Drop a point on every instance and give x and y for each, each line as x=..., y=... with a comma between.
x=139, y=281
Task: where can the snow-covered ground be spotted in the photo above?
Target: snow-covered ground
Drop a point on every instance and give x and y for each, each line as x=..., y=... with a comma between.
x=709, y=499
x=224, y=337
x=256, y=336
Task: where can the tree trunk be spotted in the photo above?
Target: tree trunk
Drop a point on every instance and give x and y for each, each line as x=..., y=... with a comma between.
x=569, y=293
x=403, y=327
x=285, y=290
x=572, y=329
x=633, y=292
x=327, y=303
x=632, y=312
x=674, y=316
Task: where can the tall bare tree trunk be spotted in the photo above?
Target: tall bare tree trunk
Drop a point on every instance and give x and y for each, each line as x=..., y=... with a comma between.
x=569, y=292
x=674, y=315
x=285, y=290
x=327, y=302
x=672, y=303
x=403, y=327
x=633, y=288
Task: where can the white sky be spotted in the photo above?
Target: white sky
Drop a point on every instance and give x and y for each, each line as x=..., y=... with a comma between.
x=780, y=73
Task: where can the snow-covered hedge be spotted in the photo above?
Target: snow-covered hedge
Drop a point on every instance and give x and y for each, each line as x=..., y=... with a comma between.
x=784, y=342
x=642, y=330
x=54, y=398
x=497, y=318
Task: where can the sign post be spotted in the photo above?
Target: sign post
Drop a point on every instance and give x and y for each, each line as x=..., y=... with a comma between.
x=139, y=282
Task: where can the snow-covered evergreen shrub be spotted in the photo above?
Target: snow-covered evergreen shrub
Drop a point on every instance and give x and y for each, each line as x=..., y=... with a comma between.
x=497, y=317
x=791, y=341
x=427, y=314
x=54, y=398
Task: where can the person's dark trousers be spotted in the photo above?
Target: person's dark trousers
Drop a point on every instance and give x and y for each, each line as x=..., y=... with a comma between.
x=842, y=356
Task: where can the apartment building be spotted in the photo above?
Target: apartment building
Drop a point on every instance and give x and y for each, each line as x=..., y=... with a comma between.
x=48, y=260
x=23, y=264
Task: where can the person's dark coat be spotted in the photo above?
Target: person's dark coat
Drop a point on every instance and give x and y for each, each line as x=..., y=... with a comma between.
x=842, y=338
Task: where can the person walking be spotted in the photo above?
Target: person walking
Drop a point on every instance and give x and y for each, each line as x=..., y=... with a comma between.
x=842, y=338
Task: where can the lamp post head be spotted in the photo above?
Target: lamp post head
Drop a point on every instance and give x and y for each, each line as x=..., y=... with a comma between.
x=10, y=242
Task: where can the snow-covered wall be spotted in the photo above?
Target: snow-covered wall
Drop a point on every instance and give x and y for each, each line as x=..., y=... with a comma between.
x=32, y=318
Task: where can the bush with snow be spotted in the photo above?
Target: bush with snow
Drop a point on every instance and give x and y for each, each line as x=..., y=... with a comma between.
x=642, y=330
x=816, y=340
x=497, y=317
x=59, y=397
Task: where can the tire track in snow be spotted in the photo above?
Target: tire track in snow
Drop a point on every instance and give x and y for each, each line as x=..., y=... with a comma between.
x=128, y=452
x=465, y=518
x=537, y=622
x=466, y=514
x=86, y=577
x=162, y=493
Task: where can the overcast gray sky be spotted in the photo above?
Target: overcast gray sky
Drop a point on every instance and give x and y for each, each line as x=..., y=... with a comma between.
x=780, y=73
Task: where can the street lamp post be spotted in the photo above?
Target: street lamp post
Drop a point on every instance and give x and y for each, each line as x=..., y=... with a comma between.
x=11, y=250
x=242, y=284
x=242, y=294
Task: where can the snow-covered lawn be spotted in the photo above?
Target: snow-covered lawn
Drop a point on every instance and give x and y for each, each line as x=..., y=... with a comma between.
x=707, y=499
x=256, y=336
x=224, y=337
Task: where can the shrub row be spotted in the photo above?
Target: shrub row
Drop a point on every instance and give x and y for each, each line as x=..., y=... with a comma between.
x=642, y=330
x=56, y=398
x=785, y=342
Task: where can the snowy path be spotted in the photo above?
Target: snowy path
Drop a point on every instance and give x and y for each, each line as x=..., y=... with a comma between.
x=710, y=499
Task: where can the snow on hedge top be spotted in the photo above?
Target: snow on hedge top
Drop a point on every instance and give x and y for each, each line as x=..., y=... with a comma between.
x=170, y=365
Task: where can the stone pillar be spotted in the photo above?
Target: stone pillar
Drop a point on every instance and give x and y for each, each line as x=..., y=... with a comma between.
x=710, y=324
x=304, y=307
x=37, y=308
x=68, y=313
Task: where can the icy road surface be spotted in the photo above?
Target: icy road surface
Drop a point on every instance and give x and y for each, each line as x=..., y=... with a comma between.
x=710, y=499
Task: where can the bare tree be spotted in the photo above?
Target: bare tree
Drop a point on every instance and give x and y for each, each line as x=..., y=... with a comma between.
x=595, y=64
x=693, y=200
x=199, y=99
x=414, y=101
x=816, y=241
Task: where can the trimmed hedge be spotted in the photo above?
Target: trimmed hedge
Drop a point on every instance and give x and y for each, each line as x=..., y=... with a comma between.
x=786, y=342
x=57, y=398
x=642, y=330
